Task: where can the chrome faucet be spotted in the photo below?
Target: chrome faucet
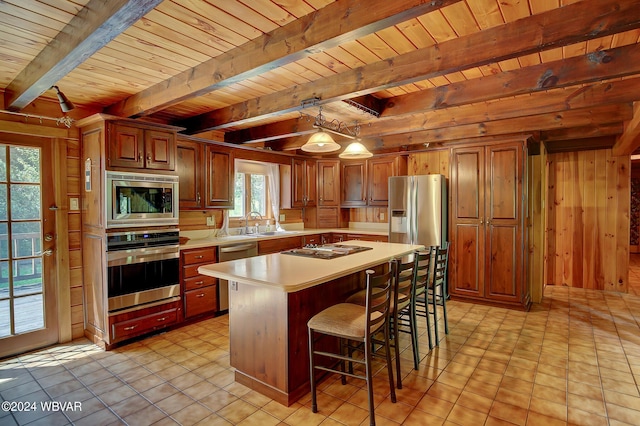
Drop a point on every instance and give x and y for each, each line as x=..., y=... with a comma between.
x=246, y=221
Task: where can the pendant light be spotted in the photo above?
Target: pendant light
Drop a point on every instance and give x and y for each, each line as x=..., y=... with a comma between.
x=320, y=141
x=65, y=104
x=355, y=150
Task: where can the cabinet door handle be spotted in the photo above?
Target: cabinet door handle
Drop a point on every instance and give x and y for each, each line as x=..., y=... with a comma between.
x=161, y=319
x=149, y=157
x=200, y=295
x=140, y=156
x=198, y=197
x=131, y=328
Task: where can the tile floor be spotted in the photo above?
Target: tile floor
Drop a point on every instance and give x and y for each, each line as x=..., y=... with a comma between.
x=573, y=359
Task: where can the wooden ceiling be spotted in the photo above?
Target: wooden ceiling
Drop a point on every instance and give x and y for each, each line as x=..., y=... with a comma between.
x=566, y=71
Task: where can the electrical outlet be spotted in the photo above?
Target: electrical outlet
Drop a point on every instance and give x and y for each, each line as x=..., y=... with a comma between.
x=381, y=216
x=73, y=204
x=282, y=217
x=211, y=221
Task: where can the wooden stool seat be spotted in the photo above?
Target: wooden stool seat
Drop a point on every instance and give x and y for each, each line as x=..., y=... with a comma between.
x=343, y=320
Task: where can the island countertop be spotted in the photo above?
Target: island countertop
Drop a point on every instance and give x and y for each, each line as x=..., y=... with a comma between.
x=293, y=273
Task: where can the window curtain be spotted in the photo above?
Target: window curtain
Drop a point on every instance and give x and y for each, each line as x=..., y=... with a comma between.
x=273, y=173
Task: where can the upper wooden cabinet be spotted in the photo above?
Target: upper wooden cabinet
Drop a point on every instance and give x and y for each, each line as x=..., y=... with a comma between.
x=220, y=176
x=303, y=183
x=328, y=182
x=206, y=175
x=487, y=215
x=190, y=173
x=130, y=146
x=366, y=182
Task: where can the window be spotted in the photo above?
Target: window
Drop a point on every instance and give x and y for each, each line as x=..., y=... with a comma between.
x=251, y=189
x=251, y=195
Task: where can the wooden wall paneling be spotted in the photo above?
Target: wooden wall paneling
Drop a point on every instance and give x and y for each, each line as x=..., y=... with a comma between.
x=429, y=162
x=569, y=181
x=75, y=277
x=536, y=182
x=610, y=223
x=623, y=186
x=62, y=241
x=588, y=220
x=600, y=212
x=589, y=238
x=550, y=227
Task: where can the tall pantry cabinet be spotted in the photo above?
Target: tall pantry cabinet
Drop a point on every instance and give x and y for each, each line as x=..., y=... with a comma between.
x=488, y=207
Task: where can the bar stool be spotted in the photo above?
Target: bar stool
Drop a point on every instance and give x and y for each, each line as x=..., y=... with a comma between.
x=438, y=292
x=401, y=318
x=355, y=325
x=400, y=302
x=421, y=277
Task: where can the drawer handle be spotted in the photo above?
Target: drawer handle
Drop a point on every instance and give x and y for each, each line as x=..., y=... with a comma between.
x=161, y=319
x=198, y=257
x=131, y=328
x=200, y=295
x=199, y=282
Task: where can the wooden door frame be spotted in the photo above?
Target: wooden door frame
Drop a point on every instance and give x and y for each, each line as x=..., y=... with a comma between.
x=61, y=274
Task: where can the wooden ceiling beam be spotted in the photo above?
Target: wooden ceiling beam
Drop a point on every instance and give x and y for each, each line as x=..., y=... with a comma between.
x=550, y=102
x=570, y=24
x=591, y=132
x=629, y=141
x=589, y=68
x=89, y=30
x=567, y=119
x=595, y=116
x=323, y=29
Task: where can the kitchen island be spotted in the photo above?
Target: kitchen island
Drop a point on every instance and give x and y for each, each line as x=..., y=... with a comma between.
x=272, y=297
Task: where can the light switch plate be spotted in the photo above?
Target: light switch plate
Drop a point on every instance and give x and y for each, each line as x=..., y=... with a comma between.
x=381, y=216
x=282, y=218
x=73, y=204
x=210, y=221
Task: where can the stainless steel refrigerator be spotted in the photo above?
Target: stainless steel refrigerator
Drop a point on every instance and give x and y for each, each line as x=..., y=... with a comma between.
x=418, y=209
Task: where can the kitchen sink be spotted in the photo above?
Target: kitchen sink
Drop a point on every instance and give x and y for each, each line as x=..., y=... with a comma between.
x=276, y=233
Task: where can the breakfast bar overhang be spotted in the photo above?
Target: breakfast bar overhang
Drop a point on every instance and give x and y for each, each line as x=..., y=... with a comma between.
x=271, y=298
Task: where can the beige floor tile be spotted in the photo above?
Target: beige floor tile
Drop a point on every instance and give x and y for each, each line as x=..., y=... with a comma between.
x=191, y=414
x=174, y=403
x=237, y=411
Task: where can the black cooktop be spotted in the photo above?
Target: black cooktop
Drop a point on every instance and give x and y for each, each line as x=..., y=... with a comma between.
x=327, y=251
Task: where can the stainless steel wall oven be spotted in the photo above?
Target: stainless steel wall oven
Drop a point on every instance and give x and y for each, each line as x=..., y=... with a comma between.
x=142, y=268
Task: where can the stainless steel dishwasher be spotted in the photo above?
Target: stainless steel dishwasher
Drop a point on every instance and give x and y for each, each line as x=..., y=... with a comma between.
x=232, y=252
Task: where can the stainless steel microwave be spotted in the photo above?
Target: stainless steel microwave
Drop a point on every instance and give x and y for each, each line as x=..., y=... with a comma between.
x=141, y=199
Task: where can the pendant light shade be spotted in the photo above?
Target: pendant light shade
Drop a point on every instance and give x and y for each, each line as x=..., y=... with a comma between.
x=355, y=150
x=320, y=142
x=65, y=104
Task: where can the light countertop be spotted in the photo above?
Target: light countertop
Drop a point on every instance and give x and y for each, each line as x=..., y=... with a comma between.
x=210, y=241
x=293, y=273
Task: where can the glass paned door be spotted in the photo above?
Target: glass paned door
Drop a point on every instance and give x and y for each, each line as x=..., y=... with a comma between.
x=27, y=298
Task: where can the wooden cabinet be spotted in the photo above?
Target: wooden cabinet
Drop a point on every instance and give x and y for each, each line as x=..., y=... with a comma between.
x=276, y=245
x=367, y=237
x=190, y=173
x=132, y=324
x=366, y=182
x=318, y=239
x=206, y=175
x=328, y=183
x=200, y=291
x=487, y=229
x=303, y=184
x=220, y=176
x=338, y=238
x=132, y=146
x=354, y=183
